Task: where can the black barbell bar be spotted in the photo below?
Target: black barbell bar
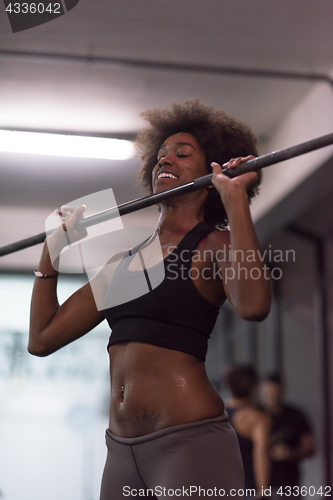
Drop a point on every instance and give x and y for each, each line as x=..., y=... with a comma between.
x=202, y=182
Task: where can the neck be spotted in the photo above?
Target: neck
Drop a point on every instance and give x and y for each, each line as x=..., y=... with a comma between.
x=275, y=409
x=180, y=213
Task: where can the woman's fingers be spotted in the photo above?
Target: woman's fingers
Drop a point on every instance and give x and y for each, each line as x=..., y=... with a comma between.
x=66, y=211
x=70, y=217
x=66, y=233
x=233, y=162
x=222, y=181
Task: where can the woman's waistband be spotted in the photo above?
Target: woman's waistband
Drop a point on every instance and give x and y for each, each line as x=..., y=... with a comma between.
x=168, y=430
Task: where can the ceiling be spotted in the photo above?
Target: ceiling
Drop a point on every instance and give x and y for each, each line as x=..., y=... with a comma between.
x=85, y=90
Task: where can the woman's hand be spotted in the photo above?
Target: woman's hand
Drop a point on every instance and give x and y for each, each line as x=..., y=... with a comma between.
x=225, y=184
x=280, y=452
x=67, y=233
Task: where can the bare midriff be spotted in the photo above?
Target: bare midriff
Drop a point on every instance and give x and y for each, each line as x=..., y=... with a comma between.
x=153, y=388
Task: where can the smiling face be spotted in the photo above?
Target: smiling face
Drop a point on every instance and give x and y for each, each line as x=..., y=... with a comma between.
x=180, y=160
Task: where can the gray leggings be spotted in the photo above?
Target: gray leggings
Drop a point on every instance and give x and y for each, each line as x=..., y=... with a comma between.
x=196, y=460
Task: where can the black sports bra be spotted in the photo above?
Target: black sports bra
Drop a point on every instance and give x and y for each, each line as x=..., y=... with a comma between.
x=172, y=314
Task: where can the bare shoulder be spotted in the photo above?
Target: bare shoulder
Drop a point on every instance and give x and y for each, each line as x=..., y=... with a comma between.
x=218, y=242
x=260, y=420
x=214, y=247
x=218, y=239
x=250, y=421
x=253, y=415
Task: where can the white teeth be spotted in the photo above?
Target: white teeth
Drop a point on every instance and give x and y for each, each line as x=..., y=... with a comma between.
x=167, y=174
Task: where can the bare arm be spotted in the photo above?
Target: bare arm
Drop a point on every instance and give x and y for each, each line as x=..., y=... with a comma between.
x=306, y=448
x=53, y=326
x=261, y=458
x=245, y=275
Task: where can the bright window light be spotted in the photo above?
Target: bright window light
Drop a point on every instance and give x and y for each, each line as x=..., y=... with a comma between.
x=65, y=145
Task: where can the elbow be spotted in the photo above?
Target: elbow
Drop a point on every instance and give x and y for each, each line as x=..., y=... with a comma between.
x=38, y=349
x=257, y=313
x=255, y=316
x=258, y=309
x=36, y=352
x=254, y=305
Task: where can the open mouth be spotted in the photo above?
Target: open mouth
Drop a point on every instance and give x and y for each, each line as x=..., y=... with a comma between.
x=166, y=175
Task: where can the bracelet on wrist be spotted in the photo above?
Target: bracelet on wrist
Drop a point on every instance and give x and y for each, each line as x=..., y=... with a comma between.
x=38, y=274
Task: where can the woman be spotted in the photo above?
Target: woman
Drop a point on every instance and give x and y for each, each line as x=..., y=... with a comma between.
x=168, y=432
x=252, y=427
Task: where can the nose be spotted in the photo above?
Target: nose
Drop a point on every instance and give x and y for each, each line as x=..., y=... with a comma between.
x=166, y=160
